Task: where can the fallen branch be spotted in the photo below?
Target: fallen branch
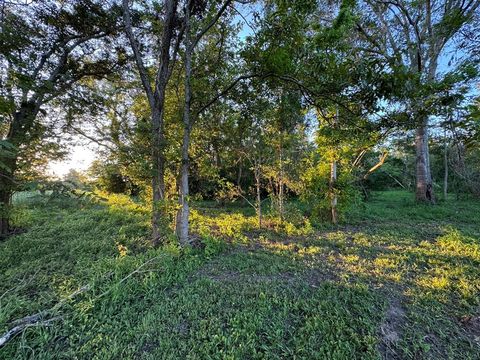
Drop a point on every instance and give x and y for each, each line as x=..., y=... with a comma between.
x=22, y=284
x=27, y=319
x=137, y=270
x=37, y=319
x=396, y=180
x=32, y=321
x=376, y=166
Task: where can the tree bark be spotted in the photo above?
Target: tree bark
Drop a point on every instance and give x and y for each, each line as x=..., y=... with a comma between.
x=156, y=101
x=333, y=180
x=280, y=183
x=158, y=150
x=445, y=164
x=239, y=175
x=182, y=223
x=158, y=176
x=17, y=136
x=5, y=196
x=7, y=184
x=333, y=195
x=259, y=197
x=424, y=186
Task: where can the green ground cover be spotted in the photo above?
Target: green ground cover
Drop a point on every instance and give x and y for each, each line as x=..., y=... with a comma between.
x=396, y=281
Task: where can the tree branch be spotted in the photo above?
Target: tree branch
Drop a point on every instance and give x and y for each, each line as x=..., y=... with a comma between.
x=225, y=91
x=136, y=52
x=210, y=24
x=376, y=166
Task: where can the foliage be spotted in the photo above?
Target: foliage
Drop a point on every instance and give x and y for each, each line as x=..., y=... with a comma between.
x=108, y=177
x=328, y=293
x=317, y=194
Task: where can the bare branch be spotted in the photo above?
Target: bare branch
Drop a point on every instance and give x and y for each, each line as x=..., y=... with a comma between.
x=136, y=52
x=210, y=24
x=225, y=91
x=376, y=166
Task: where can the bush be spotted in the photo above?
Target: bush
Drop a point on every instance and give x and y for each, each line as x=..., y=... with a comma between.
x=316, y=196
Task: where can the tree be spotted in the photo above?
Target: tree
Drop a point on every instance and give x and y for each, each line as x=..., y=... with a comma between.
x=166, y=28
x=412, y=37
x=200, y=18
x=312, y=48
x=47, y=49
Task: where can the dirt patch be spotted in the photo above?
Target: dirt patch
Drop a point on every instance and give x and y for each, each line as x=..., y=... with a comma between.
x=471, y=324
x=313, y=277
x=317, y=276
x=391, y=330
x=182, y=328
x=229, y=276
x=14, y=231
x=316, y=271
x=147, y=347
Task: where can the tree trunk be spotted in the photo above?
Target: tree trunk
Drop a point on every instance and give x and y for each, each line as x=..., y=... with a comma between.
x=333, y=195
x=445, y=164
x=5, y=196
x=182, y=225
x=424, y=186
x=158, y=176
x=424, y=182
x=259, y=198
x=156, y=101
x=6, y=190
x=427, y=152
x=17, y=136
x=239, y=175
x=158, y=149
x=333, y=180
x=280, y=183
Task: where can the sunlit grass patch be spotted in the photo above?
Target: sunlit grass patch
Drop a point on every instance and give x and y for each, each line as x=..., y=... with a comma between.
x=236, y=225
x=453, y=242
x=435, y=282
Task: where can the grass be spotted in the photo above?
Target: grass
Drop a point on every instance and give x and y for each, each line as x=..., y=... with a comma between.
x=397, y=281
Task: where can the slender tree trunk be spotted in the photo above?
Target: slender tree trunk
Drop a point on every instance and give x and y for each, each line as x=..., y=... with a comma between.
x=5, y=196
x=333, y=195
x=156, y=100
x=158, y=156
x=158, y=176
x=424, y=182
x=259, y=198
x=182, y=224
x=333, y=181
x=6, y=190
x=427, y=152
x=280, y=183
x=445, y=164
x=239, y=175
